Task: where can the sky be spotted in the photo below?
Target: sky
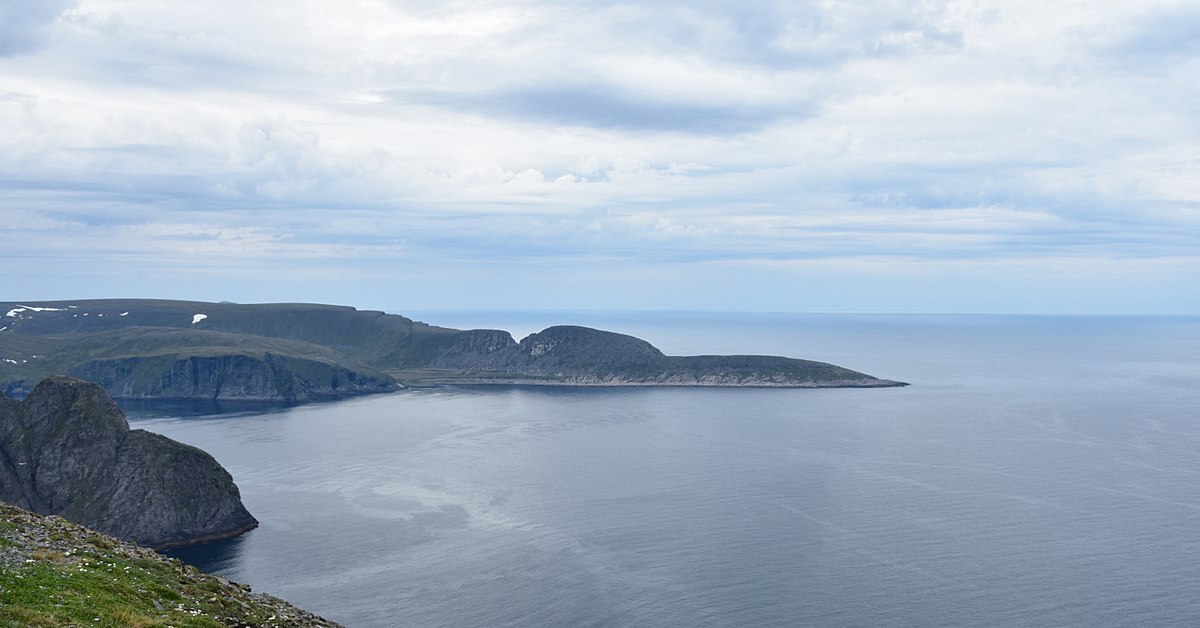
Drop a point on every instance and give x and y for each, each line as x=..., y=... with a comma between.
x=784, y=156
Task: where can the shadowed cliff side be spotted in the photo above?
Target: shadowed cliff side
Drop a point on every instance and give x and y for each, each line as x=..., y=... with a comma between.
x=67, y=450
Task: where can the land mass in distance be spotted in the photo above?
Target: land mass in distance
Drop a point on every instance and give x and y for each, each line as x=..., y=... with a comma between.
x=158, y=349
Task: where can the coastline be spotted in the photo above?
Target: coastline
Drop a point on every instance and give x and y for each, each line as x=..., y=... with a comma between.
x=431, y=378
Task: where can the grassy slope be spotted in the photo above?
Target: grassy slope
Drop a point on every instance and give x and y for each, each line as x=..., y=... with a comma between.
x=55, y=573
x=37, y=344
x=374, y=337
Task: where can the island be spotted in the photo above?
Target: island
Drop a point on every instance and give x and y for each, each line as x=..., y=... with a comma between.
x=293, y=352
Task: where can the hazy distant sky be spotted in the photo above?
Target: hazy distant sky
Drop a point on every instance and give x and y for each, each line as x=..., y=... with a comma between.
x=902, y=155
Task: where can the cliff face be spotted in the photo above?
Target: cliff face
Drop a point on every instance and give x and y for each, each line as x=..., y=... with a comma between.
x=185, y=350
x=67, y=450
x=268, y=377
x=475, y=349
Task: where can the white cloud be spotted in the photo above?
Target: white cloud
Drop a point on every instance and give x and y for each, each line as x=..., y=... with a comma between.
x=24, y=25
x=692, y=133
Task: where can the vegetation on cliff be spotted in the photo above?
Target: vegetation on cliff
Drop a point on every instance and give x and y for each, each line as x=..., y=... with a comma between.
x=56, y=573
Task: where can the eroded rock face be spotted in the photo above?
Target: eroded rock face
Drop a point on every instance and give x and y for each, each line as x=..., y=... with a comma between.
x=68, y=450
x=228, y=377
x=476, y=349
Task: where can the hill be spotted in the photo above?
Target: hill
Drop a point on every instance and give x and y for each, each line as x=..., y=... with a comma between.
x=567, y=354
x=296, y=352
x=56, y=573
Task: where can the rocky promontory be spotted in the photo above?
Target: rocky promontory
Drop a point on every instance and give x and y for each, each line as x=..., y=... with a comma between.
x=296, y=352
x=67, y=450
x=581, y=356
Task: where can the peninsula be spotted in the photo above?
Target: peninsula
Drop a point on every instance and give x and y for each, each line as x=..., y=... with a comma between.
x=156, y=349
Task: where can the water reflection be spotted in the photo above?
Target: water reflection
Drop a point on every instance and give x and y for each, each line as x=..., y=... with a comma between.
x=213, y=557
x=195, y=408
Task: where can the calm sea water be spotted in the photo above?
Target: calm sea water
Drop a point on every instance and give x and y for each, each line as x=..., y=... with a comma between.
x=1038, y=472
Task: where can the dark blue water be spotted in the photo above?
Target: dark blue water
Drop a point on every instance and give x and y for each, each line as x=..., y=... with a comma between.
x=1038, y=472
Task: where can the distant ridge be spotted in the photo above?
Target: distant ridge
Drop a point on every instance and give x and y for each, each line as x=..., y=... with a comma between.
x=139, y=348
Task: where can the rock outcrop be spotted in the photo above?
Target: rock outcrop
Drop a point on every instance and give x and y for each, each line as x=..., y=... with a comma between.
x=68, y=450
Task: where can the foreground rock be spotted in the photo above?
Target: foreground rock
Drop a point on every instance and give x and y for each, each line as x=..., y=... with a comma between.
x=56, y=573
x=67, y=450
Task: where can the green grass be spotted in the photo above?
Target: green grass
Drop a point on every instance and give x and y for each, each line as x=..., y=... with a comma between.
x=108, y=590
x=67, y=575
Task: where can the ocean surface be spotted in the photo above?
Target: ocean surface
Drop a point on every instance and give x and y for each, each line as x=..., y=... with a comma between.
x=1039, y=471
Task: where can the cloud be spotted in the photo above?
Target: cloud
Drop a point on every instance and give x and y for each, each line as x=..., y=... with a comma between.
x=613, y=107
x=465, y=137
x=24, y=25
x=791, y=35
x=1170, y=33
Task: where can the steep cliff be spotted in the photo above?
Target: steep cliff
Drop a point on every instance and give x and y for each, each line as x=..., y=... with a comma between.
x=188, y=350
x=67, y=450
x=266, y=377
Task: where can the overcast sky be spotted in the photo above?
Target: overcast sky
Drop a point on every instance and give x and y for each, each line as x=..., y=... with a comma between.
x=891, y=156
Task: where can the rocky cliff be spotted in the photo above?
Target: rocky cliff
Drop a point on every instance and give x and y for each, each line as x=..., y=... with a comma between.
x=67, y=450
x=266, y=377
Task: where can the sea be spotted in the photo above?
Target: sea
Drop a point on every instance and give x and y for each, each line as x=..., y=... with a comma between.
x=1038, y=471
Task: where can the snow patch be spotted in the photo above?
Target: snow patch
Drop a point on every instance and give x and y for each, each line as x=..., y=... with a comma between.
x=123, y=314
x=10, y=360
x=198, y=317
x=4, y=328
x=29, y=308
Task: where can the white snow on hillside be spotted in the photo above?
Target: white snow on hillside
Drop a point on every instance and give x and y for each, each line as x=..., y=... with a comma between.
x=29, y=308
